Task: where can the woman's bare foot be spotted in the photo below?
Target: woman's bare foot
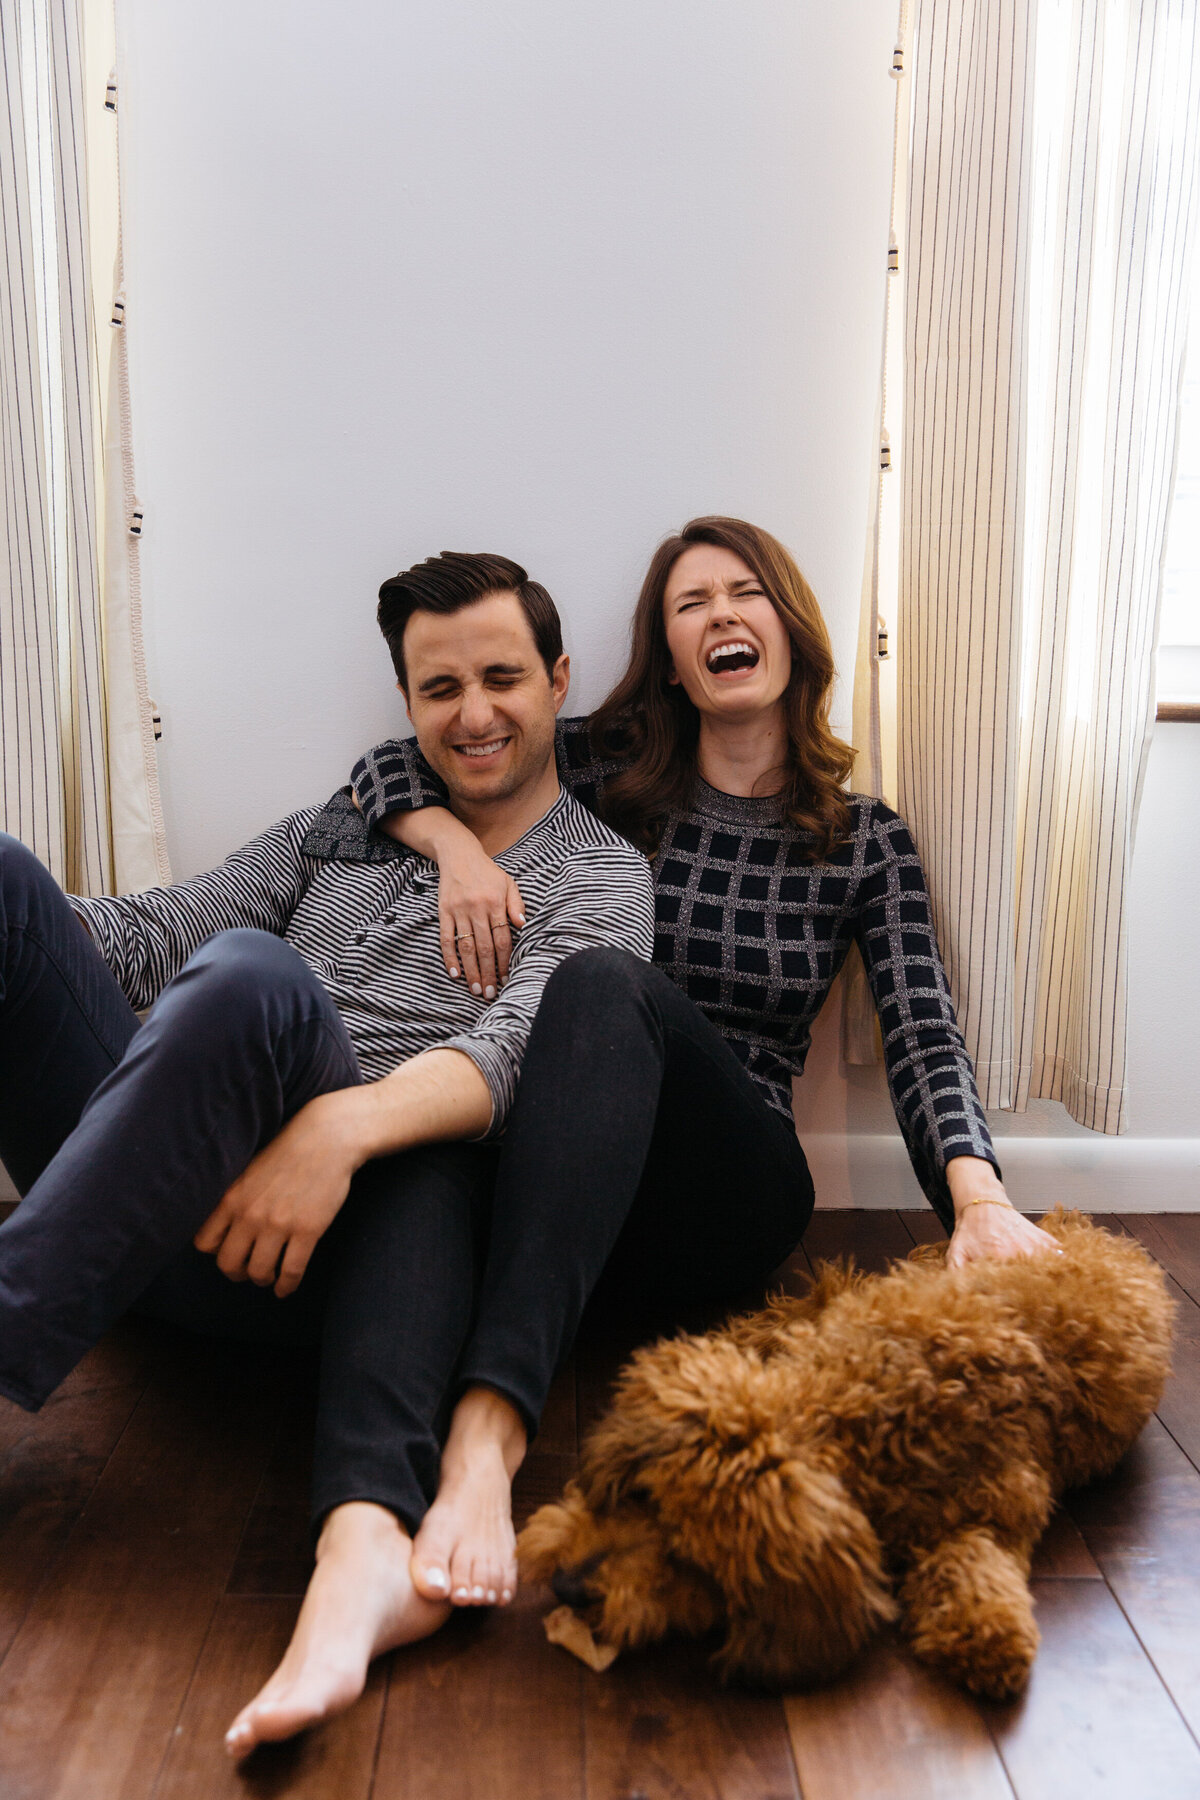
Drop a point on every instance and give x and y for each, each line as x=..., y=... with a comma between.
x=465, y=1550
x=360, y=1602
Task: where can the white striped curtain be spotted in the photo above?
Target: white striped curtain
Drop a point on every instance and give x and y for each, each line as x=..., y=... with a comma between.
x=74, y=713
x=1051, y=202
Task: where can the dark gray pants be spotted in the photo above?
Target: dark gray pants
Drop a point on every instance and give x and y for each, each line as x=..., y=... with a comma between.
x=123, y=1139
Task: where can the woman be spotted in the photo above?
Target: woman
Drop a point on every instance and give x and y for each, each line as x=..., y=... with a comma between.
x=654, y=1114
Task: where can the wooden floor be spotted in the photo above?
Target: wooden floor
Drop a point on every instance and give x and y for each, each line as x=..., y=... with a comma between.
x=153, y=1545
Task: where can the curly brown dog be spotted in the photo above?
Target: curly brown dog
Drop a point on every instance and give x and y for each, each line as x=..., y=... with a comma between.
x=888, y=1447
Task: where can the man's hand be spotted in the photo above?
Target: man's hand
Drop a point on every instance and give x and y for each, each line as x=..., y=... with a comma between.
x=987, y=1225
x=265, y=1228
x=268, y=1223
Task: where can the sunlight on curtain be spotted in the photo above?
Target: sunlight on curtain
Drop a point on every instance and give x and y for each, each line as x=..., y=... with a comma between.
x=137, y=830
x=1179, y=622
x=67, y=696
x=1051, y=209
x=874, y=733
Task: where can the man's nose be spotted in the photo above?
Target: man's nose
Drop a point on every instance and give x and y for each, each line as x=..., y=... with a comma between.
x=477, y=712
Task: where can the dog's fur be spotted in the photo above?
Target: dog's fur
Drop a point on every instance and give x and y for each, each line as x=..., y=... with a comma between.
x=889, y=1447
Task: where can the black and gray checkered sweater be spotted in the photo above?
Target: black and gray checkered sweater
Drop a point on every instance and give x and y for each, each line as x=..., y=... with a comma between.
x=754, y=935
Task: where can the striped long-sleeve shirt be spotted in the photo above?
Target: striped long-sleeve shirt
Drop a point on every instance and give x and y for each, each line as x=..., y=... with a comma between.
x=362, y=912
x=754, y=933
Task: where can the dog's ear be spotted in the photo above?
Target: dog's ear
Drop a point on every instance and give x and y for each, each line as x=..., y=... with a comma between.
x=802, y=1573
x=761, y=1512
x=797, y=1561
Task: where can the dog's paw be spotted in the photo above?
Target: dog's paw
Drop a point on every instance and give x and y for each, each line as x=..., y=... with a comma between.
x=967, y=1610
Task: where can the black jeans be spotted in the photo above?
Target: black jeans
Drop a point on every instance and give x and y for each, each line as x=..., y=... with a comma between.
x=639, y=1147
x=637, y=1142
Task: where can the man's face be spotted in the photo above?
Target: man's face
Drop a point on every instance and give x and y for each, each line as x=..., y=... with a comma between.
x=479, y=697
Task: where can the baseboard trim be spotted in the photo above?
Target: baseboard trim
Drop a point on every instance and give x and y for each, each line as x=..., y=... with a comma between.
x=1097, y=1174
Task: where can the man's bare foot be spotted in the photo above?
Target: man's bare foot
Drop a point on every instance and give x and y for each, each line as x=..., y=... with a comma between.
x=465, y=1550
x=360, y=1602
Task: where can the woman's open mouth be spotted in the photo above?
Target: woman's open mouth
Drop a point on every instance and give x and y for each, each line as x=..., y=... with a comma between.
x=731, y=659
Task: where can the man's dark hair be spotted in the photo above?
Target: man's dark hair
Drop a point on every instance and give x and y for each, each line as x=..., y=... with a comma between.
x=446, y=583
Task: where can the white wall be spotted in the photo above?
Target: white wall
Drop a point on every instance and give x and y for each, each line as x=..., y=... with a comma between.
x=545, y=279
x=540, y=278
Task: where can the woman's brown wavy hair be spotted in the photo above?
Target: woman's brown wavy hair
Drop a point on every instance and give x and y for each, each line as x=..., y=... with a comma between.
x=655, y=728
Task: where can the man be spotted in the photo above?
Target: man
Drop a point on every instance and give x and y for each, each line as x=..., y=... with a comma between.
x=313, y=1101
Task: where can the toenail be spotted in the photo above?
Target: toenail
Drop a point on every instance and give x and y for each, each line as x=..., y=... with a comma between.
x=506, y=1596
x=436, y=1578
x=491, y=1595
x=477, y=1593
x=461, y=1594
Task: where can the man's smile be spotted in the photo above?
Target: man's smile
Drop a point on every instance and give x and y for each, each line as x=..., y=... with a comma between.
x=489, y=747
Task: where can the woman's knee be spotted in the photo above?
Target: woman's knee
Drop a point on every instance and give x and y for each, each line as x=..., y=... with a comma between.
x=601, y=970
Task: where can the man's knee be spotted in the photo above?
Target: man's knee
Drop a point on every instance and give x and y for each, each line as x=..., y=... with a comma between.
x=237, y=970
x=248, y=1000
x=30, y=898
x=19, y=867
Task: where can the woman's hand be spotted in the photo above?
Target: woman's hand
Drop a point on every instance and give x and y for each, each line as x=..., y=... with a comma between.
x=478, y=904
x=987, y=1224
x=478, y=901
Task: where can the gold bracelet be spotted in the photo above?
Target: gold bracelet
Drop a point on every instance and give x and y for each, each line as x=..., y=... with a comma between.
x=987, y=1200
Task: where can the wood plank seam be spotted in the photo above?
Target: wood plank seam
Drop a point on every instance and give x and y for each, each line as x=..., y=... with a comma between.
x=169, y=1740
x=1181, y=1447
x=207, y=1635
x=1166, y=1686
x=218, y=1596
x=1187, y=1306
x=378, y=1745
x=136, y=1393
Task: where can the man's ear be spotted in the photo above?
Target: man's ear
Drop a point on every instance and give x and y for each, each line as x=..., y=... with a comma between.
x=560, y=681
x=400, y=688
